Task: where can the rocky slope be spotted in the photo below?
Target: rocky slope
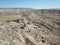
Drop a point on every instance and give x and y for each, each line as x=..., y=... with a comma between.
x=29, y=27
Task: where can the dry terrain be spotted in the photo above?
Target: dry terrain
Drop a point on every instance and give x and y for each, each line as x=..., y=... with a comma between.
x=29, y=27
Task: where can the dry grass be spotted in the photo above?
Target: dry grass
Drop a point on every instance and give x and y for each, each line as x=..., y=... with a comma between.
x=8, y=17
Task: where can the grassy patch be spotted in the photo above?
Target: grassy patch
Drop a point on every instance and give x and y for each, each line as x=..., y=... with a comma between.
x=8, y=17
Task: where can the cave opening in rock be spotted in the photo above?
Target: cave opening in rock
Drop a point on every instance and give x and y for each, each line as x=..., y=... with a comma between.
x=22, y=27
x=43, y=41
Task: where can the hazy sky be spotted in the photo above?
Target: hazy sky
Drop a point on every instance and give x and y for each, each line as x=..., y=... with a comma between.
x=30, y=4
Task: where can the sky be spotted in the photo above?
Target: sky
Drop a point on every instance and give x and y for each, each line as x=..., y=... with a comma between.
x=38, y=4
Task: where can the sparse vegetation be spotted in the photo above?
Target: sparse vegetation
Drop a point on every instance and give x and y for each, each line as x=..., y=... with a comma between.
x=29, y=27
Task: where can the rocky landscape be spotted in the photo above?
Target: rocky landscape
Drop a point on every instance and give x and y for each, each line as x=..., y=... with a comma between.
x=29, y=26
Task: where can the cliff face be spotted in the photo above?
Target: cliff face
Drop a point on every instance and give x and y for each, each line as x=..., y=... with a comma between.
x=29, y=27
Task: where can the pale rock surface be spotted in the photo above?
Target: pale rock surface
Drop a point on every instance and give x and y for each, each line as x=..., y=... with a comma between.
x=29, y=27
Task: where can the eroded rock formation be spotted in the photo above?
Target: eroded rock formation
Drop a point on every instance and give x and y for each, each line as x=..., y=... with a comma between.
x=29, y=27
